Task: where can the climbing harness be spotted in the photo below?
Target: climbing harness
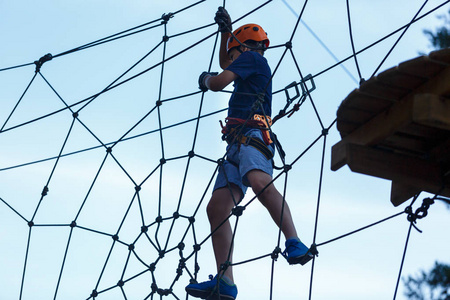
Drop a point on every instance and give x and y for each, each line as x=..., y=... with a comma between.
x=233, y=133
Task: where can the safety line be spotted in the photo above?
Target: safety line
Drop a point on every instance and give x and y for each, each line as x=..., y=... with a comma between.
x=321, y=42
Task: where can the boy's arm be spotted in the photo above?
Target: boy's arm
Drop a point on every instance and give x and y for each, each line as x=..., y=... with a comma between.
x=223, y=19
x=224, y=59
x=219, y=82
x=208, y=80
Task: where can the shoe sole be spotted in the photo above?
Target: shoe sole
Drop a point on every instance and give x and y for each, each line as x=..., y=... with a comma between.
x=220, y=297
x=198, y=293
x=300, y=259
x=207, y=295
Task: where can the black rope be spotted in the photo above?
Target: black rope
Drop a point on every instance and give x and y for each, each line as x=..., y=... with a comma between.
x=30, y=224
x=14, y=210
x=380, y=40
x=18, y=102
x=63, y=262
x=360, y=229
x=114, y=142
x=352, y=41
x=16, y=67
x=403, y=260
x=316, y=222
x=399, y=38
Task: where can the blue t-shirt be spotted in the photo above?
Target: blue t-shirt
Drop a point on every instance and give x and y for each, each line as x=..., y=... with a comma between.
x=254, y=77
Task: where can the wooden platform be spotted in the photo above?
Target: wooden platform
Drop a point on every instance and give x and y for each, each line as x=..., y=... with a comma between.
x=396, y=126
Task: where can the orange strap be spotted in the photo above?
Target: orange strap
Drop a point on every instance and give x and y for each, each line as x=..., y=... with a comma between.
x=257, y=121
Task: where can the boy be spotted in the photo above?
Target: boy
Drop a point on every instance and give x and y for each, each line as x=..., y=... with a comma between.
x=249, y=151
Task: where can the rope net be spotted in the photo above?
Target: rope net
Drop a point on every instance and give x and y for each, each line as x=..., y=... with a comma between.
x=106, y=170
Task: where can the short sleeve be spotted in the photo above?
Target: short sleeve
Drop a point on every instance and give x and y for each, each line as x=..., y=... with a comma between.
x=243, y=66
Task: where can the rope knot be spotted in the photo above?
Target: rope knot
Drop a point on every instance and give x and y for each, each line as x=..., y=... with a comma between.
x=41, y=61
x=276, y=253
x=420, y=212
x=238, y=210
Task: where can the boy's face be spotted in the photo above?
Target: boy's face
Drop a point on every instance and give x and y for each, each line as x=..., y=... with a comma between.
x=234, y=54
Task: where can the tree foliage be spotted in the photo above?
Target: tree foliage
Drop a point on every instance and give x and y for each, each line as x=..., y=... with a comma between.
x=441, y=38
x=434, y=285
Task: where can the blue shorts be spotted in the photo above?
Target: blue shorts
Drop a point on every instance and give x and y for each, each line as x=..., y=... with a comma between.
x=240, y=160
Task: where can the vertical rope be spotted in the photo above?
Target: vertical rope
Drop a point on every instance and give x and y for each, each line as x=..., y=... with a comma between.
x=351, y=40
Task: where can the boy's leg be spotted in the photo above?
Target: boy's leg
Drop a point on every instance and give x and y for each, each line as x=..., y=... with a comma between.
x=273, y=201
x=219, y=208
x=296, y=252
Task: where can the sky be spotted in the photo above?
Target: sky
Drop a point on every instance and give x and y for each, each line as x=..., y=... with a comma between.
x=98, y=189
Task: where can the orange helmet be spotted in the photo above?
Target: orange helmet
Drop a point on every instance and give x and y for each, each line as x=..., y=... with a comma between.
x=247, y=32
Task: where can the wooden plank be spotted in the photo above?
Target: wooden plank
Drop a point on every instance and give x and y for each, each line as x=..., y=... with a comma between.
x=362, y=98
x=395, y=77
x=397, y=116
x=357, y=109
x=408, y=141
x=338, y=156
x=421, y=131
x=374, y=131
x=400, y=192
x=442, y=56
x=432, y=110
x=345, y=127
x=405, y=143
x=421, y=66
x=366, y=102
x=383, y=90
x=439, y=85
x=355, y=115
x=441, y=154
x=402, y=169
x=392, y=166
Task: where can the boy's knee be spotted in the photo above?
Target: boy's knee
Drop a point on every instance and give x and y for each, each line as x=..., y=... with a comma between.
x=258, y=179
x=219, y=206
x=259, y=188
x=211, y=211
x=260, y=184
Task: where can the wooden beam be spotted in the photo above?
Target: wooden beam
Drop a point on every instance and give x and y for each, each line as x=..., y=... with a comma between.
x=406, y=141
x=400, y=192
x=432, y=110
x=392, y=166
x=424, y=109
x=410, y=175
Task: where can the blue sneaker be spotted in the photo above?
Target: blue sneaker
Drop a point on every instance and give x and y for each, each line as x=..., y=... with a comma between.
x=212, y=290
x=296, y=252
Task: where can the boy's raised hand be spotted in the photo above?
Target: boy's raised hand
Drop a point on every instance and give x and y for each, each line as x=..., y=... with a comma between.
x=223, y=19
